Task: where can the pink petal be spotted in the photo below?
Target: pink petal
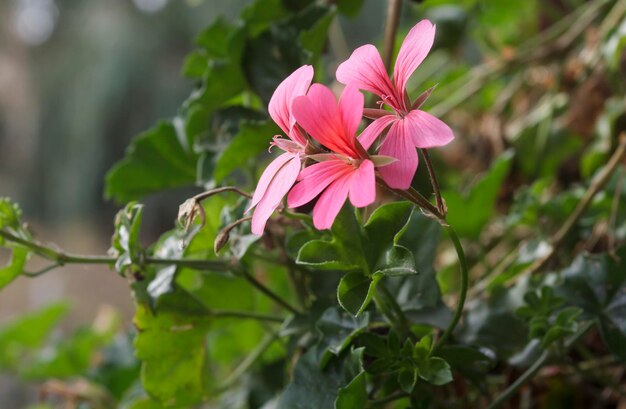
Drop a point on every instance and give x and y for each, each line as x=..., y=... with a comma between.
x=314, y=179
x=280, y=104
x=363, y=185
x=278, y=188
x=266, y=178
x=399, y=145
x=319, y=115
x=331, y=202
x=414, y=49
x=373, y=130
x=426, y=130
x=351, y=109
x=366, y=70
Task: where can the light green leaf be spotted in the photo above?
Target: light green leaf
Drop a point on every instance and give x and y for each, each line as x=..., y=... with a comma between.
x=355, y=291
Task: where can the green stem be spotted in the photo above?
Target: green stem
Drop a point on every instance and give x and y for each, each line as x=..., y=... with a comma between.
x=534, y=368
x=403, y=323
x=265, y=290
x=463, y=292
x=245, y=315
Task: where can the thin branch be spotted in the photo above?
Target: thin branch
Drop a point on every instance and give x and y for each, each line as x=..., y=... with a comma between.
x=394, y=7
x=265, y=290
x=596, y=185
x=245, y=315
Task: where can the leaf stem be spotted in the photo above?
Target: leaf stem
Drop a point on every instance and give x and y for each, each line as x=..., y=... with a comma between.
x=463, y=291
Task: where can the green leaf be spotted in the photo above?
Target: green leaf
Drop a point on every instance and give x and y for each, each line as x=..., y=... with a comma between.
x=349, y=8
x=10, y=214
x=312, y=387
x=15, y=267
x=436, y=371
x=314, y=38
x=597, y=285
x=407, y=378
x=156, y=160
x=480, y=201
x=355, y=291
x=27, y=333
x=338, y=330
x=173, y=352
x=261, y=13
x=353, y=395
x=252, y=139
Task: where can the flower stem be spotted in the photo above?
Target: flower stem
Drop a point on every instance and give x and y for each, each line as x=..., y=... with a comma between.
x=433, y=181
x=394, y=7
x=463, y=292
x=265, y=290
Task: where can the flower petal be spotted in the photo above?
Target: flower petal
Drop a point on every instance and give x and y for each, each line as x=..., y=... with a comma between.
x=331, y=202
x=373, y=130
x=363, y=185
x=351, y=109
x=319, y=115
x=268, y=175
x=426, y=130
x=366, y=70
x=399, y=145
x=278, y=188
x=414, y=49
x=280, y=104
x=314, y=179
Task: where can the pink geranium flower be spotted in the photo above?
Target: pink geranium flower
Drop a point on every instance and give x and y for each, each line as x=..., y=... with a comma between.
x=282, y=172
x=347, y=172
x=408, y=126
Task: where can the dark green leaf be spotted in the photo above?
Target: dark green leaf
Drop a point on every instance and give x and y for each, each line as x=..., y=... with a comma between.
x=407, y=377
x=338, y=329
x=353, y=395
x=349, y=7
x=597, y=284
x=252, y=139
x=436, y=371
x=355, y=291
x=156, y=160
x=312, y=387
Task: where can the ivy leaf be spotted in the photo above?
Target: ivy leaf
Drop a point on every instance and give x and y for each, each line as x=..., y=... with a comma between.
x=353, y=395
x=355, y=291
x=10, y=214
x=252, y=139
x=597, y=285
x=313, y=386
x=156, y=160
x=338, y=329
x=480, y=201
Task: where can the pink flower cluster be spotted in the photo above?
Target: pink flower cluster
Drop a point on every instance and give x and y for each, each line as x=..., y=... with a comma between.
x=323, y=130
